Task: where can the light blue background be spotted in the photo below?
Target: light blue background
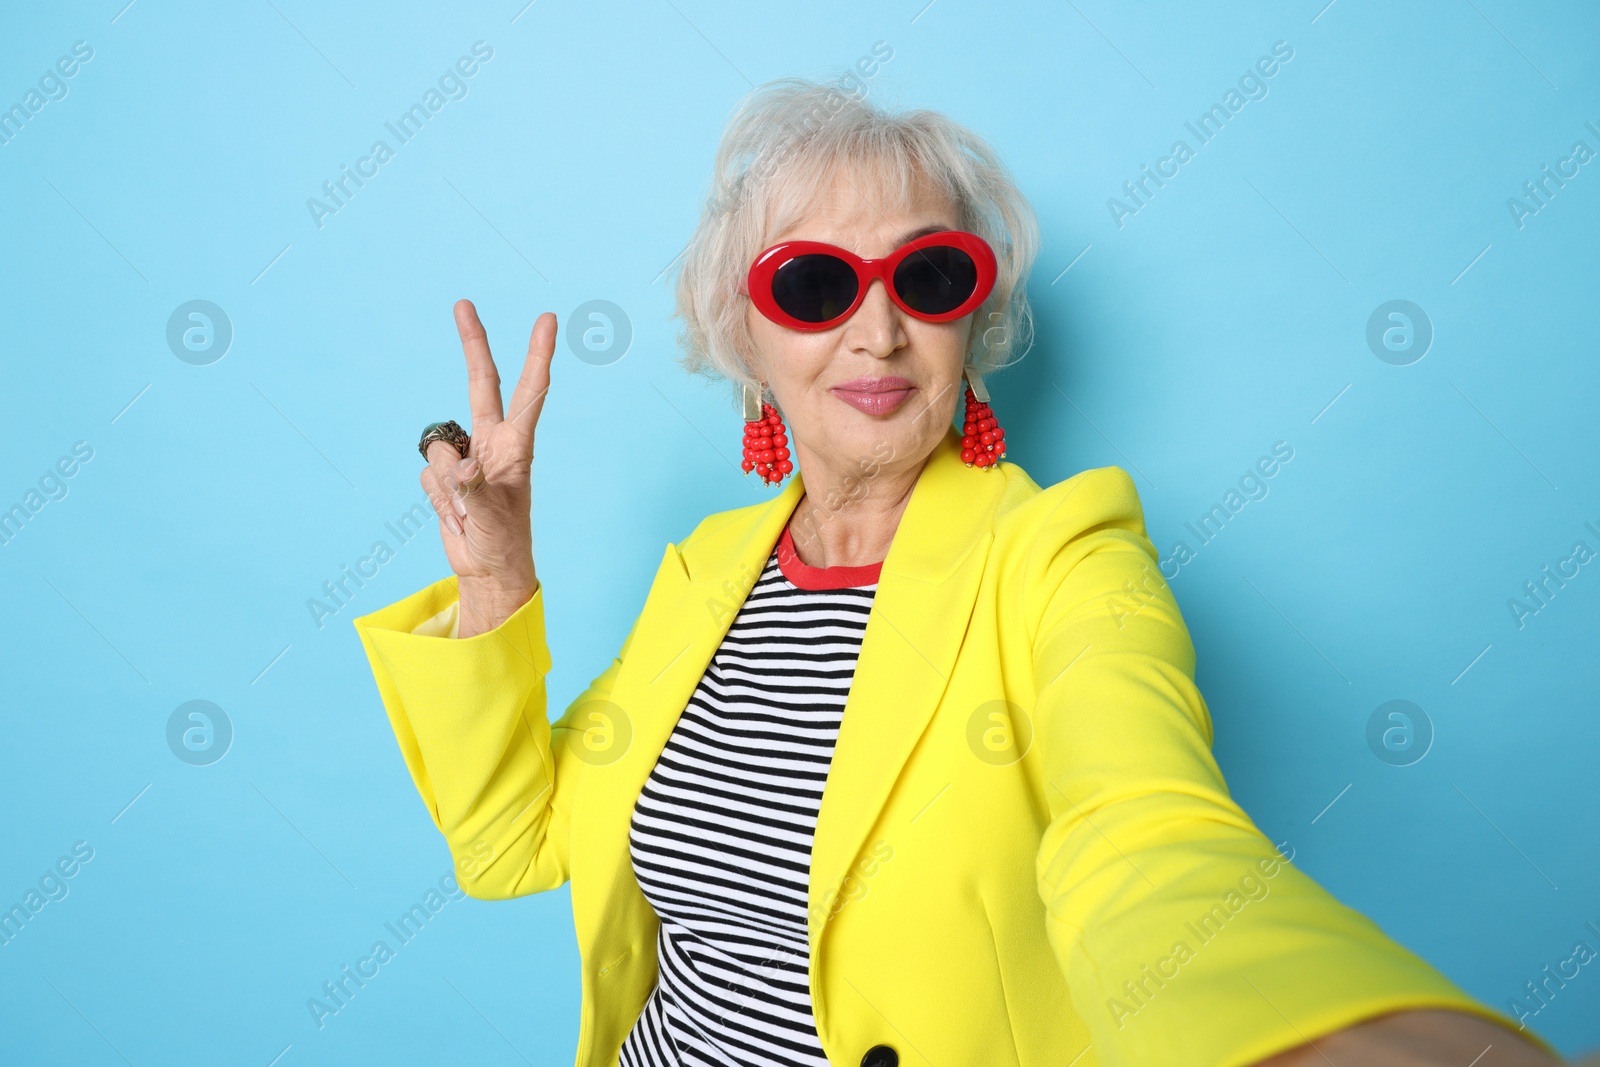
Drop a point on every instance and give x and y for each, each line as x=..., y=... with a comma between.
x=1228, y=314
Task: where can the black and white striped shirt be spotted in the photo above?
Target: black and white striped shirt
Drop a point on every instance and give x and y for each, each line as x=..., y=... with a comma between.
x=721, y=833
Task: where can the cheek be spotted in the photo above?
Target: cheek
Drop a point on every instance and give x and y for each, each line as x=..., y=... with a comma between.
x=945, y=348
x=944, y=342
x=793, y=364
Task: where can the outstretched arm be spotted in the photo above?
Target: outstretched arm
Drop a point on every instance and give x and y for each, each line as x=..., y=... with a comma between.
x=1185, y=936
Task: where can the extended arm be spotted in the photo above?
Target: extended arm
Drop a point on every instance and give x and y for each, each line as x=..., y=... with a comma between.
x=1185, y=935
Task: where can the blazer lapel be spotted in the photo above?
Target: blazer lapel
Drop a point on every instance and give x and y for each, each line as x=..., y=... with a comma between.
x=687, y=614
x=925, y=595
x=924, y=600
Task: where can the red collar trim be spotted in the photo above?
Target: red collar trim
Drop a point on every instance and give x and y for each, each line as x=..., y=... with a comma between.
x=805, y=576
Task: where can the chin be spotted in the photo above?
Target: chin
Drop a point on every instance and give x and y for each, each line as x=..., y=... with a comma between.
x=898, y=440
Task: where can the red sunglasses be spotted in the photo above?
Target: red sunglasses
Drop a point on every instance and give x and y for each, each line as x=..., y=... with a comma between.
x=809, y=285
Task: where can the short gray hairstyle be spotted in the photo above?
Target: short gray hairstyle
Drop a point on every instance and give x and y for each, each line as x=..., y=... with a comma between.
x=780, y=149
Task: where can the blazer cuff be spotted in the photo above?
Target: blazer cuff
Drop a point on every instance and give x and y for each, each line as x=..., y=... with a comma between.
x=445, y=624
x=460, y=706
x=434, y=612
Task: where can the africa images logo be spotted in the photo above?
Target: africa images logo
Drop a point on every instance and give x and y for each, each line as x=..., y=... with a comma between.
x=1252, y=85
x=452, y=85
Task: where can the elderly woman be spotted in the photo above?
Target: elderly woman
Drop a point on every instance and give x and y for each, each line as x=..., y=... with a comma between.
x=906, y=765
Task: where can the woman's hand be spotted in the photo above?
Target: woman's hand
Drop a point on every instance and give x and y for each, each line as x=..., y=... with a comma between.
x=484, y=499
x=1418, y=1038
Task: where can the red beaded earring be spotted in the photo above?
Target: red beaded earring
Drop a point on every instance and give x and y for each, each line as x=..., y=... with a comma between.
x=983, y=442
x=766, y=442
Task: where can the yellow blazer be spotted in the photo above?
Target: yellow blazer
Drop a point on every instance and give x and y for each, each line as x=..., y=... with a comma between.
x=1026, y=855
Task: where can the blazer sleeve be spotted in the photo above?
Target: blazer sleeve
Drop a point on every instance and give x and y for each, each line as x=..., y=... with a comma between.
x=470, y=718
x=1186, y=937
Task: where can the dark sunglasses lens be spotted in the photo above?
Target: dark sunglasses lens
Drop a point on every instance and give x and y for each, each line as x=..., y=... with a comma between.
x=814, y=287
x=936, y=279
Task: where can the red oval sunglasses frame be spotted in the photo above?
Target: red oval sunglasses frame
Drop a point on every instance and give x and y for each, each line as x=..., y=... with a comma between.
x=758, y=281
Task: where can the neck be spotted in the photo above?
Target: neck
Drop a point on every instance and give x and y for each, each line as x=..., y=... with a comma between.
x=847, y=517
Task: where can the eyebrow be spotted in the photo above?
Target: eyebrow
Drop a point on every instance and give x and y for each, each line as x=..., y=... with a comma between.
x=914, y=234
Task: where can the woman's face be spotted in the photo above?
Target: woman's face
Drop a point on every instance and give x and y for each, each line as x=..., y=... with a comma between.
x=881, y=387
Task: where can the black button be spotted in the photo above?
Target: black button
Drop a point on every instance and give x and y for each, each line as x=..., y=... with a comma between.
x=881, y=1056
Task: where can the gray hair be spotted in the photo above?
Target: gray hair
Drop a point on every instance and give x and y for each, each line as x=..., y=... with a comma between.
x=780, y=149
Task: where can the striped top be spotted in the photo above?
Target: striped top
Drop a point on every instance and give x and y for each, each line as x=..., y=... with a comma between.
x=721, y=833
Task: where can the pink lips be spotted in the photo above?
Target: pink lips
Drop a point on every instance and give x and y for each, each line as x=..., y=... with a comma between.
x=875, y=396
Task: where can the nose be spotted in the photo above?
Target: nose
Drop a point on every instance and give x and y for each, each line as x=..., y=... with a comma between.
x=875, y=328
